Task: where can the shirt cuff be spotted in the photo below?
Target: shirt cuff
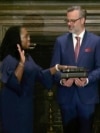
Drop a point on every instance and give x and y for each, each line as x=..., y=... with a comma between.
x=61, y=82
x=87, y=81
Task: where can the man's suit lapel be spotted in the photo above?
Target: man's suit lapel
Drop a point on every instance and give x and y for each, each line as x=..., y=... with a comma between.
x=70, y=48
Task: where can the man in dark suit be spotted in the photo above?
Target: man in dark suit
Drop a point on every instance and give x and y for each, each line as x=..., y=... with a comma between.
x=77, y=96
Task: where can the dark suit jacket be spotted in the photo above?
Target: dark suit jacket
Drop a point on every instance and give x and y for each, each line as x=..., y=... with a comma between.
x=89, y=57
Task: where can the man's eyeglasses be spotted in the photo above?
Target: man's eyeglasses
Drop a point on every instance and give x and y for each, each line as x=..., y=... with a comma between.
x=72, y=20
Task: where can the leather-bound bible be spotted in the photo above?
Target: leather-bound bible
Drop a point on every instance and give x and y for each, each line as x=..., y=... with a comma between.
x=75, y=69
x=78, y=72
x=74, y=75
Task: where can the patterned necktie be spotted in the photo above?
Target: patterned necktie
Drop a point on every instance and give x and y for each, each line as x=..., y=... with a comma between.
x=77, y=47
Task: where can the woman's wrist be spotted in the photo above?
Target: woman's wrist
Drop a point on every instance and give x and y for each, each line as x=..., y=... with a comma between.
x=57, y=67
x=21, y=64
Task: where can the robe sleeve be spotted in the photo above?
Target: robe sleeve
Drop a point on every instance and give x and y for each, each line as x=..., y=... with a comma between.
x=45, y=77
x=8, y=77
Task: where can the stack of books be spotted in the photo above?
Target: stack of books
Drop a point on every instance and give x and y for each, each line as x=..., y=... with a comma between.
x=77, y=72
